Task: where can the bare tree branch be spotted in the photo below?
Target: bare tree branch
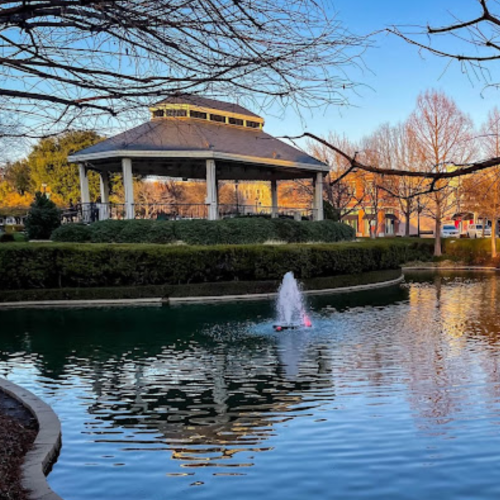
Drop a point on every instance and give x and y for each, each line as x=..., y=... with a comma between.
x=64, y=60
x=440, y=170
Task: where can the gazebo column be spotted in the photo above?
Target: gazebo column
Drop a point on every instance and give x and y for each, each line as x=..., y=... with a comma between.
x=128, y=184
x=212, y=194
x=84, y=192
x=274, y=199
x=104, y=208
x=318, y=197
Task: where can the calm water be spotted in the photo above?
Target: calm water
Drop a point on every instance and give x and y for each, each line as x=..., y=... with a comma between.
x=393, y=394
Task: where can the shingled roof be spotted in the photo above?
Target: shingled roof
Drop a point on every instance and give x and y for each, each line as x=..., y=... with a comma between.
x=205, y=102
x=199, y=136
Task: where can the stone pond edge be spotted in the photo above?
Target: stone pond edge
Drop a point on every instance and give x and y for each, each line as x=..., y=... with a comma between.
x=45, y=450
x=159, y=301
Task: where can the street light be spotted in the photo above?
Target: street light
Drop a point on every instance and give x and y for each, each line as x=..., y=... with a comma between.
x=419, y=210
x=237, y=197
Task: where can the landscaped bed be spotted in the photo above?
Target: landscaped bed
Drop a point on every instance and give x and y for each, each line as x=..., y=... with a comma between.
x=18, y=430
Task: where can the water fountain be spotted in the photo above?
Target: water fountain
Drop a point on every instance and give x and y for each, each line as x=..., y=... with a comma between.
x=290, y=305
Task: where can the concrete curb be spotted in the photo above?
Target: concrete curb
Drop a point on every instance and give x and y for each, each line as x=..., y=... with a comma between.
x=39, y=460
x=263, y=296
x=158, y=301
x=450, y=268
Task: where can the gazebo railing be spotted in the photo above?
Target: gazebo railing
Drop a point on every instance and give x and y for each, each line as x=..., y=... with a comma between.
x=171, y=211
x=92, y=212
x=237, y=210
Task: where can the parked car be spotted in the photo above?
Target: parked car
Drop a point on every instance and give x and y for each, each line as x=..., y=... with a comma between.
x=476, y=231
x=449, y=231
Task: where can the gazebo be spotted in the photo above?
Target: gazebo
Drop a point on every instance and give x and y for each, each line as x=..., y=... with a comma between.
x=192, y=137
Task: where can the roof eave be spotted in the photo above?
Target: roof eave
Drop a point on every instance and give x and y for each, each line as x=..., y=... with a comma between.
x=215, y=155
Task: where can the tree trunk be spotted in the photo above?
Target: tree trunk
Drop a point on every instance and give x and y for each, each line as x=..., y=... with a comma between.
x=494, y=238
x=437, y=240
x=407, y=216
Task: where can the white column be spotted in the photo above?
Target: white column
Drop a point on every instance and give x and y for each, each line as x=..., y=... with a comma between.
x=104, y=208
x=274, y=199
x=318, y=197
x=128, y=184
x=84, y=192
x=212, y=195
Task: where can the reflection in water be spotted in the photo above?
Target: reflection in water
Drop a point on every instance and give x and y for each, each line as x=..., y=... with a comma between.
x=213, y=401
x=392, y=394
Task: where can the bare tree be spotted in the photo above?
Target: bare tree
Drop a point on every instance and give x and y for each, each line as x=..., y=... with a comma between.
x=341, y=195
x=65, y=61
x=395, y=147
x=407, y=190
x=472, y=42
x=482, y=190
x=443, y=134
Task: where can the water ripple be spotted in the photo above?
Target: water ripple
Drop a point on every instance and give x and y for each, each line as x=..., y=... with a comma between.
x=392, y=394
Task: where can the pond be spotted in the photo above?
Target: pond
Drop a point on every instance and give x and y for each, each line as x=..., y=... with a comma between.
x=393, y=394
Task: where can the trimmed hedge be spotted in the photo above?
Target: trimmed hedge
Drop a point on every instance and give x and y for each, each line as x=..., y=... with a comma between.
x=190, y=290
x=470, y=251
x=203, y=232
x=31, y=266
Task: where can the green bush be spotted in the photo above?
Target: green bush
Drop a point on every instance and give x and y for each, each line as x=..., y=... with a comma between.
x=43, y=218
x=203, y=232
x=32, y=266
x=289, y=230
x=107, y=231
x=147, y=231
x=197, y=232
x=7, y=238
x=73, y=233
x=330, y=212
x=245, y=231
x=469, y=251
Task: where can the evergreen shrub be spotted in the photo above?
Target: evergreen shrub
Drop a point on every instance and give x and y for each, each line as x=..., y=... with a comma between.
x=72, y=233
x=43, y=218
x=7, y=238
x=235, y=231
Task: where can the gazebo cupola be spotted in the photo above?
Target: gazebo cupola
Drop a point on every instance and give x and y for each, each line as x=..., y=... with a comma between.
x=192, y=137
x=206, y=110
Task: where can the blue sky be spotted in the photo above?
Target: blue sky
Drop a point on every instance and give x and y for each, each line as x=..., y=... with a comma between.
x=396, y=72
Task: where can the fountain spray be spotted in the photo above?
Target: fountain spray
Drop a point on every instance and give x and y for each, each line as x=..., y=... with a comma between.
x=290, y=305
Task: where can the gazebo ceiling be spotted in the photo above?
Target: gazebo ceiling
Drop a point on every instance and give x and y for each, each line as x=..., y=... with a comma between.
x=178, y=146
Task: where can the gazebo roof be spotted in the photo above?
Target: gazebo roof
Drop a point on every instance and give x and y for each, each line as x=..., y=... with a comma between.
x=178, y=144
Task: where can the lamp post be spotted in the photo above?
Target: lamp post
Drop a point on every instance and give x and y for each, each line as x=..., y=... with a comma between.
x=419, y=210
x=237, y=197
